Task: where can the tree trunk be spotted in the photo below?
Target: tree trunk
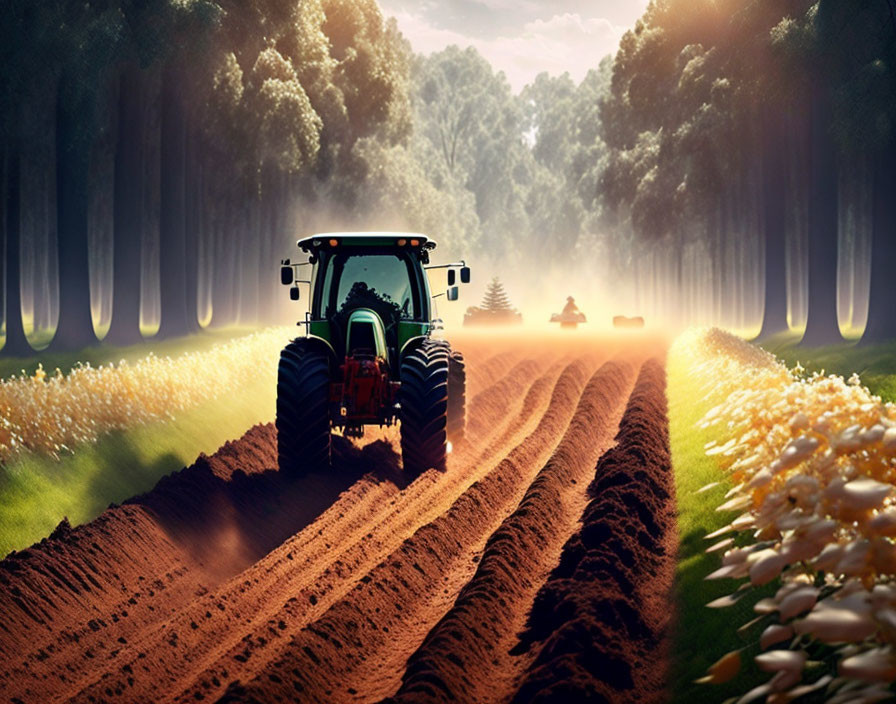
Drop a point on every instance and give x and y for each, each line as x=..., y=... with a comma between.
x=192, y=224
x=881, y=326
x=16, y=344
x=127, y=211
x=774, y=224
x=75, y=329
x=174, y=276
x=822, y=327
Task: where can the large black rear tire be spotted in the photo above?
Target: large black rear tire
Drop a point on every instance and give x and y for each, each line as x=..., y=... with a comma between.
x=303, y=421
x=423, y=398
x=457, y=397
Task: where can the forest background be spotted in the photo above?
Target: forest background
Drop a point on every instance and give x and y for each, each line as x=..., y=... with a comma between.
x=734, y=163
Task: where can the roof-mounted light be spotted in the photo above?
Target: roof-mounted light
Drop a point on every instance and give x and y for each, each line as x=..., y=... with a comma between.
x=334, y=242
x=402, y=242
x=415, y=243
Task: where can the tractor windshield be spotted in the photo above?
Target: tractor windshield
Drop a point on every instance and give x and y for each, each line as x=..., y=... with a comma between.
x=378, y=281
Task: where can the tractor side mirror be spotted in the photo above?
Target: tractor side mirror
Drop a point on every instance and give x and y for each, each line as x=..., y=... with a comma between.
x=451, y=277
x=294, y=293
x=452, y=293
x=286, y=275
x=465, y=275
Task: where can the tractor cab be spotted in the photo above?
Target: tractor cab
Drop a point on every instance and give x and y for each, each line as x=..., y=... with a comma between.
x=369, y=330
x=379, y=276
x=381, y=273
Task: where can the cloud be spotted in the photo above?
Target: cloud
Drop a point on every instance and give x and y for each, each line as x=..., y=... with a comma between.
x=566, y=42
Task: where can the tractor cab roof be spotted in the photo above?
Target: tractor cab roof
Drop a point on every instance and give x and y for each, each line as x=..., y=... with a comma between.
x=334, y=240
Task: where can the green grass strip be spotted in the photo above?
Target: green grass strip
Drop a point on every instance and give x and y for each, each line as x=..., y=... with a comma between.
x=701, y=635
x=875, y=364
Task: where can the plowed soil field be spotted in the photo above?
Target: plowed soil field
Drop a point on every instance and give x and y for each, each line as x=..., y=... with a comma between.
x=538, y=567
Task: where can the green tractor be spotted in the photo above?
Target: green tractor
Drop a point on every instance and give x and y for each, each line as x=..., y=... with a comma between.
x=369, y=356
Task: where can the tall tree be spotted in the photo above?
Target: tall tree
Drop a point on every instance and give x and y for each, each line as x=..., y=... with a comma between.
x=83, y=57
x=129, y=196
x=75, y=328
x=822, y=327
x=774, y=223
x=177, y=277
x=864, y=88
x=16, y=344
x=881, y=325
x=15, y=55
x=471, y=118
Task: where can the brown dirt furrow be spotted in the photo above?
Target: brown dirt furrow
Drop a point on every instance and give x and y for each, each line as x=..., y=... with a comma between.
x=81, y=593
x=484, y=369
x=355, y=651
x=390, y=488
x=54, y=593
x=534, y=406
x=597, y=631
x=305, y=574
x=352, y=517
x=487, y=409
x=466, y=656
x=66, y=571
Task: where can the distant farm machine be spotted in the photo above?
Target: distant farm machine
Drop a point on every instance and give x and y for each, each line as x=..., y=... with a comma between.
x=571, y=316
x=369, y=355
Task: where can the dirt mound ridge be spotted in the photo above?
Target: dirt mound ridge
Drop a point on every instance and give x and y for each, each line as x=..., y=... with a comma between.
x=82, y=593
x=231, y=508
x=598, y=625
x=465, y=657
x=361, y=643
x=77, y=572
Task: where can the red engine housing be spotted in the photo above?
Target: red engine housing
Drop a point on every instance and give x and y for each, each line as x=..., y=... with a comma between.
x=366, y=395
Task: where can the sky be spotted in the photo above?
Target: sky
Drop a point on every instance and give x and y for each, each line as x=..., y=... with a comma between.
x=522, y=38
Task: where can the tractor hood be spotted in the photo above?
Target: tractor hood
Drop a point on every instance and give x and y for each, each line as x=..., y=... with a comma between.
x=365, y=332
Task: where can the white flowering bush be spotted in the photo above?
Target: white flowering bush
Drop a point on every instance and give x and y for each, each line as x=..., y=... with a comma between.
x=811, y=461
x=52, y=413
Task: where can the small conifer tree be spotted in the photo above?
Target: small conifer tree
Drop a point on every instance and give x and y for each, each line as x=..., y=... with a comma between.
x=495, y=299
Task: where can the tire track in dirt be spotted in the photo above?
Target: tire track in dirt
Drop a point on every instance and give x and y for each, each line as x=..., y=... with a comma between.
x=598, y=628
x=361, y=643
x=284, y=590
x=467, y=655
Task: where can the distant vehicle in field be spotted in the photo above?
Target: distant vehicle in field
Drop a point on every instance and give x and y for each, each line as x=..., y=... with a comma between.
x=571, y=316
x=369, y=356
x=621, y=321
x=495, y=309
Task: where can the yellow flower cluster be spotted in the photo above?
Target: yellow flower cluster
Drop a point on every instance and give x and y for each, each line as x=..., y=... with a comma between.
x=812, y=461
x=53, y=413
